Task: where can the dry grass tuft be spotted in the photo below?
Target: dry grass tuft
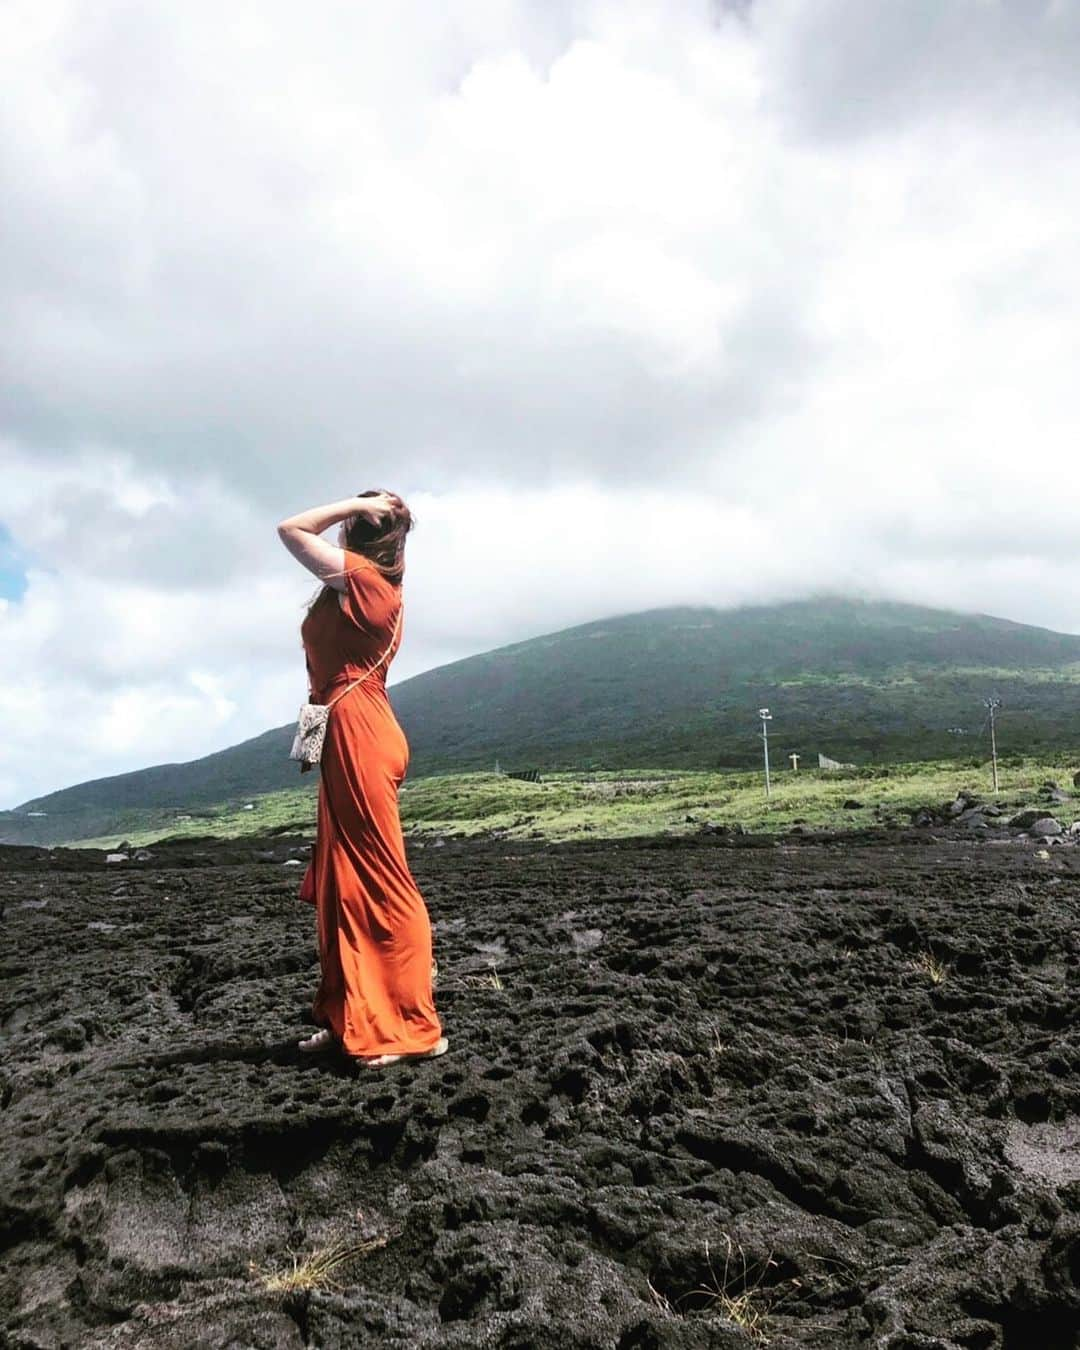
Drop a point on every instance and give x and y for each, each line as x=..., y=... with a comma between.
x=736, y=1300
x=323, y=1268
x=729, y=1294
x=717, y=1044
x=931, y=966
x=661, y=1300
x=489, y=980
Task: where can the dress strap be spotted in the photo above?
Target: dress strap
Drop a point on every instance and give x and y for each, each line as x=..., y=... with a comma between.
x=378, y=663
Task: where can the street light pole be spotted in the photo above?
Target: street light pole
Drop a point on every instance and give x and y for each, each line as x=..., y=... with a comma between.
x=992, y=704
x=766, y=718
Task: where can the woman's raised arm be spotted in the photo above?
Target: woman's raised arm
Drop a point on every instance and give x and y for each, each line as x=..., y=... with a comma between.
x=301, y=535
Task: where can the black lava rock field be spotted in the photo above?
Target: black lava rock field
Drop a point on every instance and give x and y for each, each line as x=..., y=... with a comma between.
x=704, y=1092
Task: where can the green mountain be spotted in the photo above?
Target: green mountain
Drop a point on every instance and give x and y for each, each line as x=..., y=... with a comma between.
x=857, y=680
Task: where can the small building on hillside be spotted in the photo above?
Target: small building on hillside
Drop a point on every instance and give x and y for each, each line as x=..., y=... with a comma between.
x=824, y=762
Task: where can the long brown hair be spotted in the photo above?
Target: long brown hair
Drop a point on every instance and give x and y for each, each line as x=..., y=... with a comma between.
x=382, y=542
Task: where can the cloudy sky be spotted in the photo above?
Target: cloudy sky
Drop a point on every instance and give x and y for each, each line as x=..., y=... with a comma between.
x=636, y=303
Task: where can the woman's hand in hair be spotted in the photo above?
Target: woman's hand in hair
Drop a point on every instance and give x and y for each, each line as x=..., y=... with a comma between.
x=375, y=508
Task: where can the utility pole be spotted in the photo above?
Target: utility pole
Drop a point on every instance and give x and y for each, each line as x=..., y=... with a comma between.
x=766, y=718
x=991, y=705
x=794, y=762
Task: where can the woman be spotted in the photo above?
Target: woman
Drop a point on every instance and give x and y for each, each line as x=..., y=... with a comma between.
x=374, y=998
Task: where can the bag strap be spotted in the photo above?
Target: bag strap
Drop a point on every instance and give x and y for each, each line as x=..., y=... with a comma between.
x=378, y=663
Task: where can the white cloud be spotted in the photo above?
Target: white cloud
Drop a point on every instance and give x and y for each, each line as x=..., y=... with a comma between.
x=637, y=304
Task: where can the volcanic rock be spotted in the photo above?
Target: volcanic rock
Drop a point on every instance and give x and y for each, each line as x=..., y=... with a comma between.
x=705, y=1065
x=1027, y=820
x=964, y=802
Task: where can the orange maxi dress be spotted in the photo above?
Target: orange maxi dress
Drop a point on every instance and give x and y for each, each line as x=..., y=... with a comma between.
x=374, y=933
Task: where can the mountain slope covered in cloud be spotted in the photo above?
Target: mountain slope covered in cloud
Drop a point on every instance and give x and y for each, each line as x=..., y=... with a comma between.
x=676, y=687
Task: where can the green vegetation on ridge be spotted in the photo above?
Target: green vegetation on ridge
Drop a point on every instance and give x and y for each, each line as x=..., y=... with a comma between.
x=649, y=801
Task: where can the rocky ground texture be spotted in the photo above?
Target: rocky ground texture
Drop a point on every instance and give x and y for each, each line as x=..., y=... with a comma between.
x=720, y=1091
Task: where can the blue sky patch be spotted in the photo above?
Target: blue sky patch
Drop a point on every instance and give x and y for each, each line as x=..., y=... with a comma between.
x=12, y=572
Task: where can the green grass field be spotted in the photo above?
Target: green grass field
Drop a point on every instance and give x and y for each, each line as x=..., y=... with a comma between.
x=646, y=801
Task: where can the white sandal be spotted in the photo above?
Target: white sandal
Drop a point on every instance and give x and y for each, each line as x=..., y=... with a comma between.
x=381, y=1061
x=321, y=1040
